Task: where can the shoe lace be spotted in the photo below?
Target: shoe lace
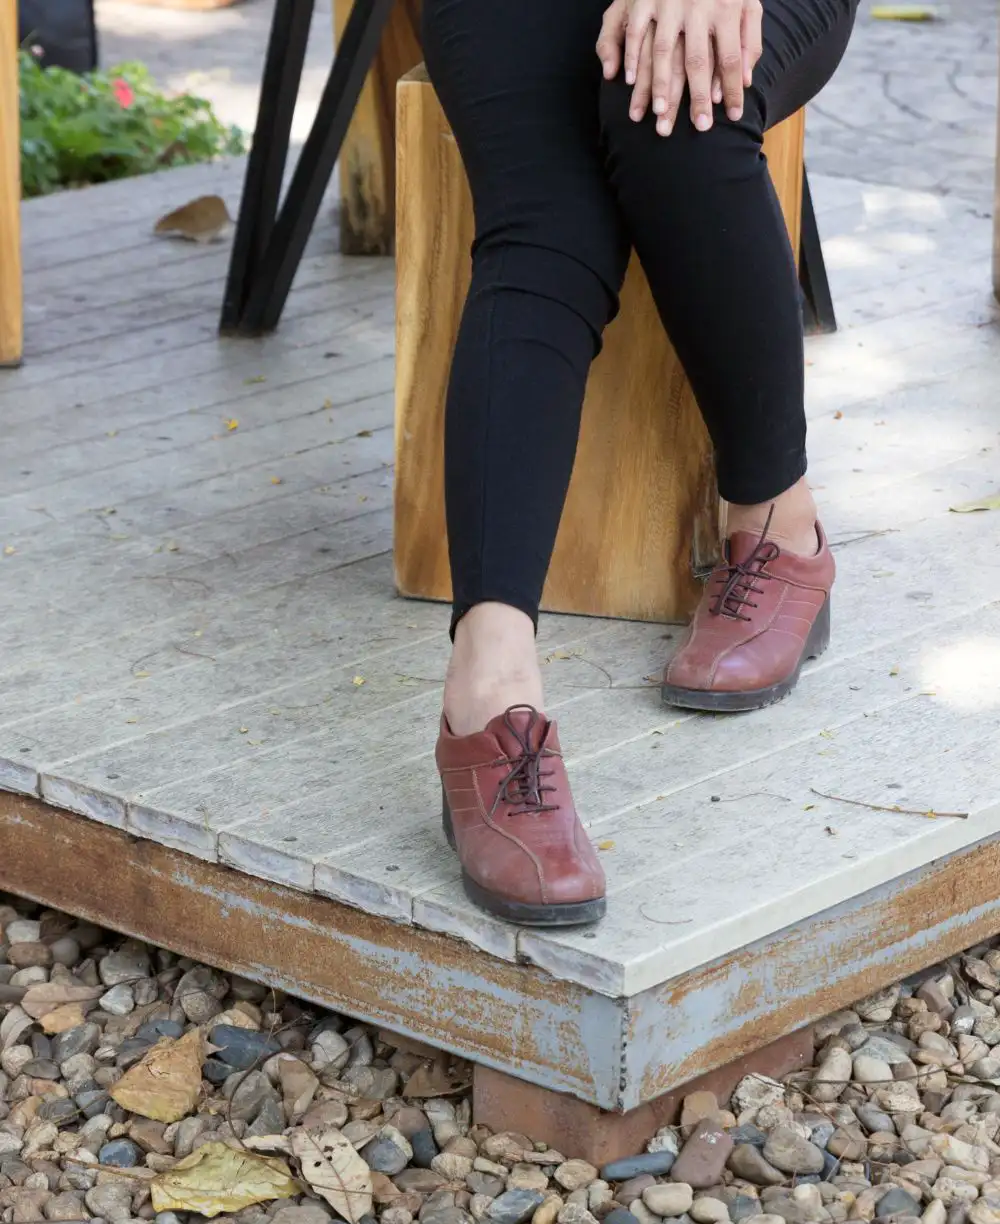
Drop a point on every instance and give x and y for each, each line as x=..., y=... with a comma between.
x=739, y=581
x=523, y=788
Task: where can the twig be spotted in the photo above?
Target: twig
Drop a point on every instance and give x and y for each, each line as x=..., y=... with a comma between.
x=879, y=807
x=867, y=535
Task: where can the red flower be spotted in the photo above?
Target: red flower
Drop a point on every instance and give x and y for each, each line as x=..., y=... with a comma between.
x=123, y=91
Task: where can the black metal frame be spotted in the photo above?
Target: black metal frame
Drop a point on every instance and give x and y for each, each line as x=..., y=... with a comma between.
x=269, y=241
x=817, y=303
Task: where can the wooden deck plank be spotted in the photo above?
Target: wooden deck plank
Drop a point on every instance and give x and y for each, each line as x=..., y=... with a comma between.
x=133, y=666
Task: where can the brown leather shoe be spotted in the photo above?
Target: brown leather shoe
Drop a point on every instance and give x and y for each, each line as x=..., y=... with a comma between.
x=509, y=814
x=763, y=613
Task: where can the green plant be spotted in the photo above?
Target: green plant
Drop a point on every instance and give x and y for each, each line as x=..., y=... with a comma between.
x=109, y=125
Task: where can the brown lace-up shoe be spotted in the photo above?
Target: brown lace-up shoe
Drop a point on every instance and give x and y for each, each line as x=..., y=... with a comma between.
x=763, y=613
x=509, y=814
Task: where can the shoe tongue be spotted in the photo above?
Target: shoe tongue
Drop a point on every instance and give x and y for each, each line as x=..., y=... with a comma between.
x=531, y=725
x=741, y=546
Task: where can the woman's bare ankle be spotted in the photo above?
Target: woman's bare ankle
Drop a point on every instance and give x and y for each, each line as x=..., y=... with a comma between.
x=494, y=665
x=792, y=516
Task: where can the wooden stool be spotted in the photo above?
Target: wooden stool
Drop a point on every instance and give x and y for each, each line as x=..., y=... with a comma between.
x=10, y=192
x=643, y=511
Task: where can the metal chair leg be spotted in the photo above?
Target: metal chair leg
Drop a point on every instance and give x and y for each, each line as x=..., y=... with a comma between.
x=286, y=52
x=355, y=55
x=817, y=307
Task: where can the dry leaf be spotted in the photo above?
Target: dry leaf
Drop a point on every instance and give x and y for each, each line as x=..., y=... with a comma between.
x=984, y=503
x=166, y=1083
x=254, y=378
x=218, y=1178
x=893, y=671
x=61, y=1019
x=275, y=480
x=358, y=681
x=16, y=1022
x=904, y=12
x=335, y=1171
x=232, y=423
x=436, y=1080
x=838, y=415
x=606, y=845
x=205, y=219
x=47, y=996
x=9, y=550
x=364, y=433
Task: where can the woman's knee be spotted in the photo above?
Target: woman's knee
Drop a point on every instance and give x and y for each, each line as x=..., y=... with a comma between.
x=687, y=158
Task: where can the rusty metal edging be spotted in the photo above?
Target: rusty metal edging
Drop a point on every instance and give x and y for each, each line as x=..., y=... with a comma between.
x=615, y=1053
x=723, y=1011
x=427, y=986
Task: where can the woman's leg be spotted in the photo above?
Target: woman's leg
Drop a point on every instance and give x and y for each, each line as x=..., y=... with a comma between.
x=520, y=85
x=706, y=223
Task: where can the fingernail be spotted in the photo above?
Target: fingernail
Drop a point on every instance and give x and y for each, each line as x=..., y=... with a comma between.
x=735, y=113
x=629, y=76
x=659, y=106
x=703, y=123
x=664, y=127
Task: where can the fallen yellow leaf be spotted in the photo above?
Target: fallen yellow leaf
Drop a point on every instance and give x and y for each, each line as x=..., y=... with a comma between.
x=984, y=503
x=112, y=433
x=335, y=1171
x=218, y=1178
x=328, y=403
x=606, y=845
x=244, y=730
x=140, y=675
x=893, y=671
x=358, y=681
x=9, y=550
x=275, y=480
x=165, y=1085
x=904, y=12
x=232, y=423
x=255, y=378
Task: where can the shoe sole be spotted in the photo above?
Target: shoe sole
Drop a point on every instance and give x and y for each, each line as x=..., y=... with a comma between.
x=756, y=699
x=569, y=914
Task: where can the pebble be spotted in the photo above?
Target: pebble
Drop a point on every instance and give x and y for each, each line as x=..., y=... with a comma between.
x=670, y=1199
x=789, y=1152
x=575, y=1174
x=240, y=1048
x=424, y=1148
x=985, y=1211
x=119, y=1000
x=389, y=1152
x=126, y=964
x=703, y=1157
x=896, y=1202
x=24, y=955
x=83, y=1039
x=199, y=994
x=620, y=1215
x=870, y=1070
x=748, y=1162
x=122, y=1153
x=833, y=1075
x=656, y=1164
x=22, y=930
x=514, y=1207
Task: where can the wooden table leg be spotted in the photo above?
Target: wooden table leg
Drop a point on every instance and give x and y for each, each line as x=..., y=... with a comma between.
x=368, y=157
x=11, y=321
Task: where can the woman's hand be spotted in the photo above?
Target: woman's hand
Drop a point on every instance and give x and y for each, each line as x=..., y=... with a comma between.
x=713, y=45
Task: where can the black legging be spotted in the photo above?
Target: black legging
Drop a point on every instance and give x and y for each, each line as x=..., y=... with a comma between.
x=564, y=182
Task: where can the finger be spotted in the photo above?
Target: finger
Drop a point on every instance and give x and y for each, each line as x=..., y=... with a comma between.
x=751, y=38
x=665, y=38
x=643, y=90
x=665, y=123
x=729, y=61
x=639, y=20
x=609, y=44
x=698, y=67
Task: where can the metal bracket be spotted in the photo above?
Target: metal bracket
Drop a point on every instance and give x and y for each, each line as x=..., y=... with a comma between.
x=269, y=242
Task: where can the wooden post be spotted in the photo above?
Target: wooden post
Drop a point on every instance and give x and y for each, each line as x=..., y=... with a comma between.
x=643, y=503
x=367, y=159
x=11, y=322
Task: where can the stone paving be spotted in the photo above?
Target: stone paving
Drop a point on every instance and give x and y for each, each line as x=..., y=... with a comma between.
x=913, y=104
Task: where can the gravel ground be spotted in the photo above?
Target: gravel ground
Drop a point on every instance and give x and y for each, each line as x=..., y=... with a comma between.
x=139, y=1085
